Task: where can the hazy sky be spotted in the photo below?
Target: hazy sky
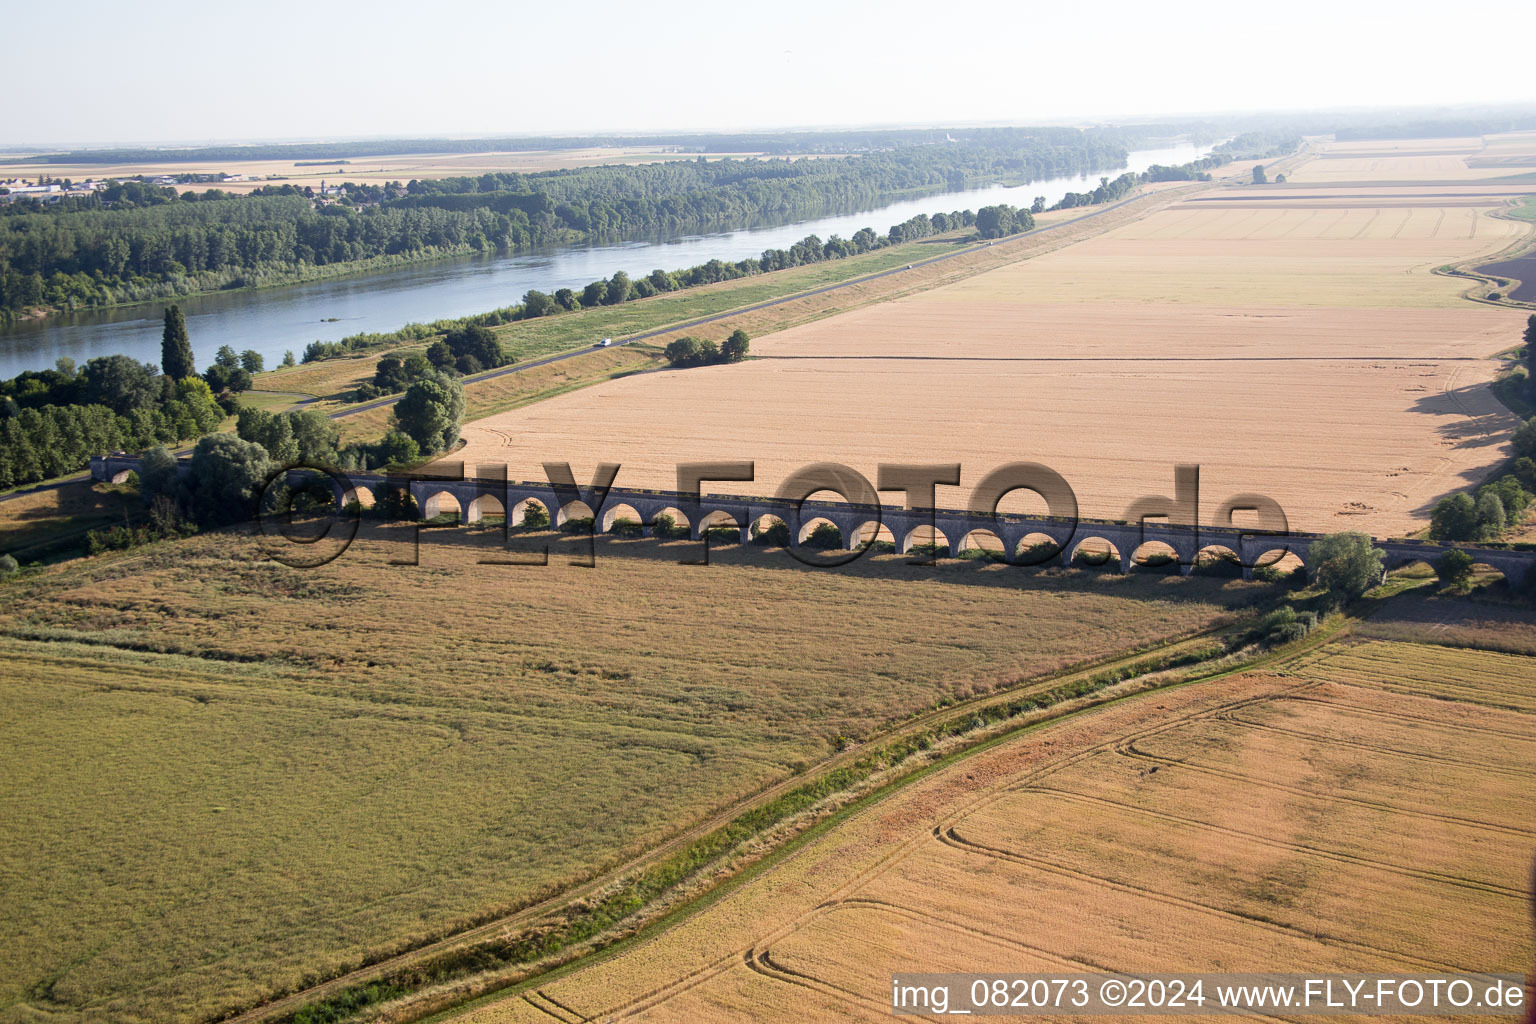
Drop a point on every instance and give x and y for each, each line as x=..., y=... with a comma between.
x=97, y=72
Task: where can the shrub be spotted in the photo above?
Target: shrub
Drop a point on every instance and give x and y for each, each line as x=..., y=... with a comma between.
x=1295, y=578
x=1089, y=561
x=1346, y=564
x=1039, y=554
x=1454, y=568
x=535, y=517
x=8, y=565
x=666, y=527
x=1218, y=563
x=725, y=534
x=574, y=525
x=395, y=503
x=775, y=534
x=1282, y=626
x=825, y=537
x=626, y=527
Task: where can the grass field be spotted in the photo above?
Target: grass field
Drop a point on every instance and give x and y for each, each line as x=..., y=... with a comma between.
x=53, y=523
x=1274, y=347
x=228, y=778
x=1321, y=814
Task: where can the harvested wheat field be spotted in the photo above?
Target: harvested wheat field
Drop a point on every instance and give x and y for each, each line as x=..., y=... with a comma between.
x=1319, y=817
x=1309, y=355
x=1417, y=160
x=225, y=777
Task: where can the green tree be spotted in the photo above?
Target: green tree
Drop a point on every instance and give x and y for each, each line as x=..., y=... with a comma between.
x=431, y=412
x=618, y=289
x=251, y=361
x=1525, y=472
x=537, y=303
x=440, y=355
x=159, y=475
x=475, y=343
x=1454, y=518
x=225, y=478
x=1491, y=515
x=288, y=359
x=1346, y=564
x=119, y=383
x=683, y=352
x=1259, y=177
x=1530, y=355
x=734, y=349
x=195, y=399
x=1454, y=568
x=227, y=358
x=176, y=360
x=996, y=221
x=398, y=449
x=233, y=379
x=1525, y=438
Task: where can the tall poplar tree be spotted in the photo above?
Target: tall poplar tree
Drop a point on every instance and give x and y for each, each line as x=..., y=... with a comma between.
x=175, y=348
x=1530, y=355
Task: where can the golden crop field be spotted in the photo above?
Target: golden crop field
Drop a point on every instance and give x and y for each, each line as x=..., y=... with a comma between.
x=1418, y=160
x=1321, y=814
x=370, y=170
x=1307, y=354
x=226, y=779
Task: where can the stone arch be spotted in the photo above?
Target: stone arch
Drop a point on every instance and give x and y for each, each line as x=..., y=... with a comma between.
x=811, y=525
x=520, y=510
x=871, y=532
x=926, y=537
x=770, y=530
x=718, y=517
x=1155, y=556
x=613, y=513
x=1096, y=553
x=441, y=503
x=1217, y=560
x=1036, y=549
x=484, y=505
x=681, y=524
x=980, y=539
x=362, y=495
x=573, y=510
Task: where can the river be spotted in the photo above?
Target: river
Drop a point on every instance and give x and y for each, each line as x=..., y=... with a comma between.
x=273, y=320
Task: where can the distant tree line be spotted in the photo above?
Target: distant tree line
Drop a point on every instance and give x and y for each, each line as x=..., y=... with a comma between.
x=135, y=241
x=774, y=143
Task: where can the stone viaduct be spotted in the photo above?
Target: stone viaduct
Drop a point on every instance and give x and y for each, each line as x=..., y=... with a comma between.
x=476, y=497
